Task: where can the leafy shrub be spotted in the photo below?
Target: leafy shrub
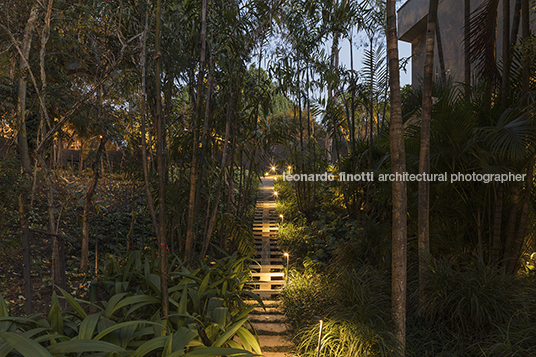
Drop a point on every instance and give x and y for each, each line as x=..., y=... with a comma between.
x=355, y=305
x=207, y=310
x=472, y=300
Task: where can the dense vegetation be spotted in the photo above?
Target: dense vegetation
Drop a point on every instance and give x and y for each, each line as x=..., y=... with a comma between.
x=134, y=133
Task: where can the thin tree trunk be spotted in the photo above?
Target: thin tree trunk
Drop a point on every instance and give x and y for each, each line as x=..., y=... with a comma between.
x=87, y=206
x=506, y=47
x=22, y=136
x=515, y=23
x=514, y=255
x=44, y=125
x=398, y=165
x=512, y=220
x=440, y=54
x=525, y=34
x=162, y=246
x=372, y=73
x=497, y=221
x=143, y=109
x=214, y=212
x=424, y=158
x=22, y=85
x=197, y=118
x=466, y=44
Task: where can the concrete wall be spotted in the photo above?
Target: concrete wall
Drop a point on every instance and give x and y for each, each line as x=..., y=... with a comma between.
x=412, y=23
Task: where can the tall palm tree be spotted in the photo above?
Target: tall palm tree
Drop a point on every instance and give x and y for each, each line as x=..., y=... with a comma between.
x=424, y=159
x=399, y=191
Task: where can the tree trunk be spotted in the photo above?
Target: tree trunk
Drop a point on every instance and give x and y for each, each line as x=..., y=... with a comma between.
x=506, y=47
x=23, y=140
x=22, y=85
x=515, y=23
x=214, y=212
x=371, y=103
x=440, y=54
x=398, y=165
x=87, y=206
x=512, y=220
x=143, y=109
x=514, y=254
x=189, y=256
x=497, y=221
x=466, y=44
x=525, y=35
x=424, y=159
x=162, y=246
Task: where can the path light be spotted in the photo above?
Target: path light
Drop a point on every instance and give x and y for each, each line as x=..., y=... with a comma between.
x=282, y=219
x=286, y=275
x=273, y=168
x=321, y=320
x=275, y=194
x=289, y=168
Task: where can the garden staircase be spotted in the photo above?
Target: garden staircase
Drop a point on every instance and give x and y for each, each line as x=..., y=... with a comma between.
x=269, y=276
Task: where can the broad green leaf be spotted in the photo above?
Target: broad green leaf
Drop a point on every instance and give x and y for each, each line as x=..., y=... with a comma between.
x=24, y=345
x=182, y=338
x=229, y=333
x=54, y=316
x=213, y=303
x=219, y=316
x=183, y=303
x=151, y=345
x=219, y=351
x=79, y=346
x=131, y=300
x=114, y=300
x=5, y=347
x=247, y=338
x=3, y=307
x=121, y=325
x=204, y=285
x=73, y=303
x=87, y=327
x=4, y=312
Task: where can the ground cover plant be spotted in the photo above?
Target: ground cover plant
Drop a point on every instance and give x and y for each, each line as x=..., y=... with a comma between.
x=467, y=308
x=209, y=310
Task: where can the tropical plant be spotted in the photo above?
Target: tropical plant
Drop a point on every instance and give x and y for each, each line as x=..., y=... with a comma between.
x=208, y=311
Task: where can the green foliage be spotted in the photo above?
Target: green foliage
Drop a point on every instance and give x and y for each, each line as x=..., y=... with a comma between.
x=354, y=305
x=472, y=310
x=471, y=300
x=208, y=312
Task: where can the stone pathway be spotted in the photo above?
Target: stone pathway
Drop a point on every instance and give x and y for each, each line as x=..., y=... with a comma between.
x=270, y=323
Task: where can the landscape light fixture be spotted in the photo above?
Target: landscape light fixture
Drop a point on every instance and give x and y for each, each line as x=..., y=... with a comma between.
x=275, y=194
x=286, y=275
x=289, y=167
x=282, y=219
x=321, y=320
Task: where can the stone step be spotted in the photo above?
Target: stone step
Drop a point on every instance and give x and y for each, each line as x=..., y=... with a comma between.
x=268, y=276
x=277, y=354
x=267, y=268
x=270, y=310
x=267, y=293
x=268, y=318
x=275, y=341
x=270, y=328
x=266, y=302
